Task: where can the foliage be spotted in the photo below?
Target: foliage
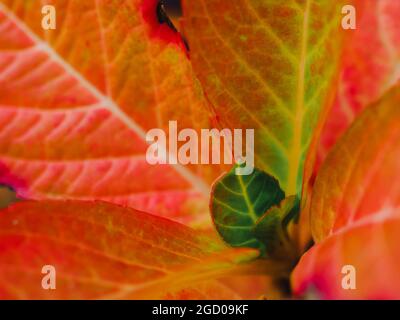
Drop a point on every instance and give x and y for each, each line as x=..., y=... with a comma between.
x=75, y=106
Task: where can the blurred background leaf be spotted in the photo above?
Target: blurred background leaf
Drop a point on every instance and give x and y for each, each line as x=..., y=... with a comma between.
x=7, y=197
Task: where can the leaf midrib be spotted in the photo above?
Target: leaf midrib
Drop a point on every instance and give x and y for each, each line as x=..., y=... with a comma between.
x=246, y=198
x=295, y=152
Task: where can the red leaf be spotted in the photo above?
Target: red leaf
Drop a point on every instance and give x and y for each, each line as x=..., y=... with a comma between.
x=355, y=216
x=74, y=110
x=372, y=249
x=370, y=67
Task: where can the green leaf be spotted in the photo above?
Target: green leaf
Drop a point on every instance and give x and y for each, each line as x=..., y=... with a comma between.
x=238, y=202
x=271, y=228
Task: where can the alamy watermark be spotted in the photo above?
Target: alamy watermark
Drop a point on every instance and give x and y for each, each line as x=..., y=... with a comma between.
x=49, y=280
x=349, y=279
x=49, y=20
x=188, y=147
x=349, y=21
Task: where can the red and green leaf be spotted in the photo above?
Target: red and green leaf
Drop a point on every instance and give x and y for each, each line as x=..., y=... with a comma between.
x=74, y=110
x=355, y=209
x=264, y=65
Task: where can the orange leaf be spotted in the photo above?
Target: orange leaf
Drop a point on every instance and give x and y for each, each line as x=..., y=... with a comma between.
x=359, y=176
x=355, y=216
x=76, y=103
x=106, y=251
